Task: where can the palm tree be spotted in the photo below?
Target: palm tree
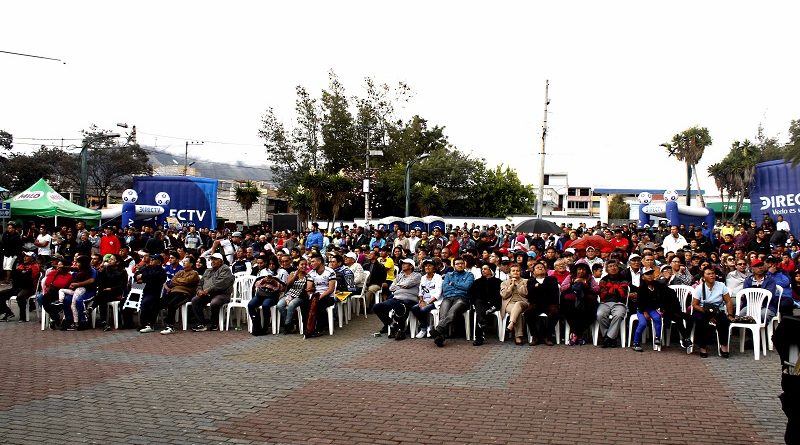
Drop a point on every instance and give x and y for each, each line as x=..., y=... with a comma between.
x=246, y=196
x=734, y=174
x=317, y=183
x=688, y=147
x=339, y=186
x=429, y=200
x=300, y=201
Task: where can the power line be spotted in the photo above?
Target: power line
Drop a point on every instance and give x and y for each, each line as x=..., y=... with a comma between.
x=199, y=139
x=32, y=55
x=48, y=139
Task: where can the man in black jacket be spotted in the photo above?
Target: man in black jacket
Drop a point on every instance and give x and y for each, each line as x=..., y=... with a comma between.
x=12, y=246
x=377, y=276
x=543, y=298
x=484, y=296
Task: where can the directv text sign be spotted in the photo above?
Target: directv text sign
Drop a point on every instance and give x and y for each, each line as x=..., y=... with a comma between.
x=191, y=200
x=776, y=191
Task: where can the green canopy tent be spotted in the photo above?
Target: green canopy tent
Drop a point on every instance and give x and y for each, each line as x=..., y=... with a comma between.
x=41, y=200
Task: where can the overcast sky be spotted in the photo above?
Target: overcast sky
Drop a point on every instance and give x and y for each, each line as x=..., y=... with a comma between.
x=624, y=76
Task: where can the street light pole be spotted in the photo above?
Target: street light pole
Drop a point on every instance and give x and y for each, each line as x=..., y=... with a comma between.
x=186, y=154
x=85, y=161
x=408, y=179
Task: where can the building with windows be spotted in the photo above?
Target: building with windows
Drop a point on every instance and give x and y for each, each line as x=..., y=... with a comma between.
x=563, y=199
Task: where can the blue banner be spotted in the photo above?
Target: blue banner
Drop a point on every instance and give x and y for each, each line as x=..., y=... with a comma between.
x=189, y=199
x=776, y=191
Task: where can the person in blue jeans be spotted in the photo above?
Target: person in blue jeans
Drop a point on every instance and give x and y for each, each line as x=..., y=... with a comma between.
x=266, y=293
x=649, y=291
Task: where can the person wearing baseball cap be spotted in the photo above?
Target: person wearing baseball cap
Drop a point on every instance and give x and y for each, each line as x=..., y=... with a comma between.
x=405, y=294
x=23, y=285
x=647, y=309
x=216, y=287
x=351, y=261
x=761, y=279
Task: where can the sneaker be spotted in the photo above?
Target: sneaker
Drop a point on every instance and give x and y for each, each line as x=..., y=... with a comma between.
x=401, y=335
x=384, y=329
x=168, y=330
x=53, y=325
x=573, y=339
x=7, y=316
x=200, y=328
x=637, y=347
x=428, y=334
x=606, y=343
x=106, y=328
x=687, y=343
x=213, y=327
x=657, y=341
x=580, y=342
x=422, y=332
x=478, y=341
x=439, y=340
x=146, y=330
x=549, y=341
x=72, y=327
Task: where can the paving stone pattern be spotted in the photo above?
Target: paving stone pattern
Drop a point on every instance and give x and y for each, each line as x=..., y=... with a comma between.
x=123, y=387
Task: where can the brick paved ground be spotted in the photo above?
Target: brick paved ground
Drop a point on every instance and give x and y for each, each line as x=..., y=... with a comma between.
x=126, y=388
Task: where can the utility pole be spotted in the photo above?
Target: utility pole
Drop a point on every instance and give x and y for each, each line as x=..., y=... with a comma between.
x=540, y=199
x=366, y=189
x=186, y=154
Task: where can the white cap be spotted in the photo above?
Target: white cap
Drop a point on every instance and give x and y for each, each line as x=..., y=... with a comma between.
x=351, y=255
x=408, y=261
x=216, y=255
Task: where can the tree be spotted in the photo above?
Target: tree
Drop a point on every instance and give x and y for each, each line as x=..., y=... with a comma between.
x=317, y=183
x=287, y=161
x=246, y=196
x=500, y=193
x=111, y=166
x=734, y=174
x=688, y=147
x=6, y=140
x=618, y=209
x=300, y=200
x=340, y=188
x=19, y=171
x=338, y=130
x=793, y=146
x=429, y=200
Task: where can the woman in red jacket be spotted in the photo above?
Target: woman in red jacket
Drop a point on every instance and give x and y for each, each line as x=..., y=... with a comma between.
x=58, y=278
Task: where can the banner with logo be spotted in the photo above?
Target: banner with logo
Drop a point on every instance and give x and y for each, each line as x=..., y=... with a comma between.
x=776, y=191
x=186, y=200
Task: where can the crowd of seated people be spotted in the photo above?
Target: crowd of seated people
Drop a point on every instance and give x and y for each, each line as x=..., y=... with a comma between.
x=531, y=281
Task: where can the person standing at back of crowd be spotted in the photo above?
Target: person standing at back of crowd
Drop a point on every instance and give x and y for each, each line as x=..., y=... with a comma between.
x=42, y=243
x=12, y=247
x=153, y=276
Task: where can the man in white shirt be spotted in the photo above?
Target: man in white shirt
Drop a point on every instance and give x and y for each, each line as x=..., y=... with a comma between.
x=43, y=245
x=350, y=260
x=782, y=225
x=674, y=241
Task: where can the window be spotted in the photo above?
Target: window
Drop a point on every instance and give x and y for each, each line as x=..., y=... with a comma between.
x=578, y=205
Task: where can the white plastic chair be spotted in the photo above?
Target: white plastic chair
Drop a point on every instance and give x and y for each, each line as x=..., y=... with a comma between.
x=467, y=321
x=775, y=320
x=684, y=295
x=633, y=319
x=501, y=324
x=753, y=299
x=622, y=332
x=355, y=298
x=114, y=306
x=242, y=294
x=298, y=316
x=14, y=307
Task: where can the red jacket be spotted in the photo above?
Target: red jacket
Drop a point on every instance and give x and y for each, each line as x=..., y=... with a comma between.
x=59, y=280
x=109, y=244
